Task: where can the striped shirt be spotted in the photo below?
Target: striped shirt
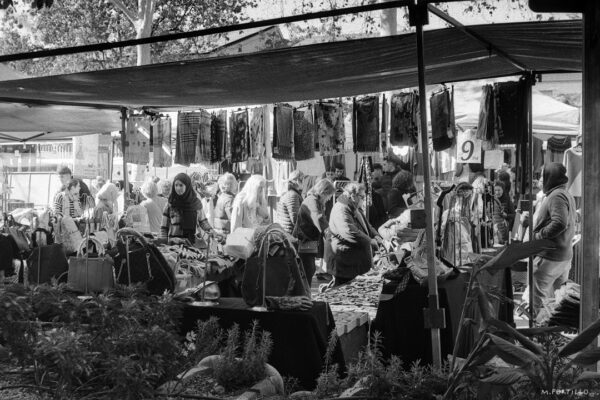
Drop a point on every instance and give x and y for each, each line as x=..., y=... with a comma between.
x=171, y=225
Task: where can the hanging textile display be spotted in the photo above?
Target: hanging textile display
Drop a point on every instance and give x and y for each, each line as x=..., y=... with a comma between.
x=330, y=128
x=443, y=128
x=137, y=142
x=457, y=242
x=239, y=136
x=304, y=134
x=404, y=119
x=366, y=117
x=203, y=141
x=511, y=111
x=218, y=128
x=486, y=127
x=258, y=132
x=283, y=132
x=161, y=142
x=538, y=154
x=188, y=127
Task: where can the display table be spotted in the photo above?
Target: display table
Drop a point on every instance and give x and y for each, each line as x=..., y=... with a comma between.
x=299, y=337
x=401, y=324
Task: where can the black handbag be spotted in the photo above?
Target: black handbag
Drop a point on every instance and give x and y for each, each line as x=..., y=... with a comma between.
x=47, y=262
x=141, y=262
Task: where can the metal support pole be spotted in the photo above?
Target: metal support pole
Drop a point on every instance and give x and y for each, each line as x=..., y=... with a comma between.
x=591, y=164
x=123, y=141
x=433, y=316
x=529, y=149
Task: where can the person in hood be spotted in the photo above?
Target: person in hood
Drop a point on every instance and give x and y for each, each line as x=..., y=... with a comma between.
x=555, y=222
x=183, y=213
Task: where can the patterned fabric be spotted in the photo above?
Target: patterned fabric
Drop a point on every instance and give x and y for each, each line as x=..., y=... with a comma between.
x=283, y=132
x=188, y=127
x=404, y=119
x=137, y=141
x=171, y=224
x=203, y=141
x=486, y=128
x=366, y=114
x=304, y=134
x=239, y=136
x=64, y=205
x=330, y=128
x=161, y=142
x=258, y=132
x=218, y=130
x=443, y=128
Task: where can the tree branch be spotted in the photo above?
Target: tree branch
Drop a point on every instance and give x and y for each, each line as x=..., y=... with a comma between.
x=131, y=16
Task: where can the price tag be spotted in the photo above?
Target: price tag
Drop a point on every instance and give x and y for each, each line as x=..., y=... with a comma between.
x=468, y=148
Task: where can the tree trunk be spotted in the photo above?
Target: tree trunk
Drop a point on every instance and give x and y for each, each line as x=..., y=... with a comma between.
x=389, y=21
x=143, y=29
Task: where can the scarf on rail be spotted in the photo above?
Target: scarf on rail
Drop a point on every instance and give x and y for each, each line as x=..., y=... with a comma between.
x=330, y=128
x=283, y=132
x=304, y=134
x=188, y=127
x=239, y=136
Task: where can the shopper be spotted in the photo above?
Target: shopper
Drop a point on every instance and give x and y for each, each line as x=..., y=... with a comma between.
x=65, y=175
x=353, y=239
x=66, y=203
x=503, y=213
x=250, y=205
x=183, y=213
x=556, y=222
x=106, y=200
x=289, y=203
x=340, y=171
x=311, y=225
x=223, y=203
x=154, y=205
x=164, y=188
x=402, y=184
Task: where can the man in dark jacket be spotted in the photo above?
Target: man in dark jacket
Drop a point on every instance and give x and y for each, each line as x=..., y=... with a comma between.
x=353, y=239
x=556, y=222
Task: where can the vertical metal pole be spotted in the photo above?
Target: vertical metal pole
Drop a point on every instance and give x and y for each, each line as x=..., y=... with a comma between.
x=591, y=164
x=529, y=149
x=123, y=141
x=434, y=312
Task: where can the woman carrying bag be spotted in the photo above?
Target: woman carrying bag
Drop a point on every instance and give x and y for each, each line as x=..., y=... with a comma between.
x=311, y=225
x=183, y=213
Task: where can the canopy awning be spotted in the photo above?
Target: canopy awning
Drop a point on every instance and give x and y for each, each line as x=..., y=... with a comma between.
x=326, y=70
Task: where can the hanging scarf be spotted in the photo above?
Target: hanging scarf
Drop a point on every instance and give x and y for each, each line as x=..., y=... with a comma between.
x=161, y=142
x=366, y=114
x=188, y=203
x=137, y=142
x=218, y=132
x=283, y=132
x=188, y=127
x=330, y=128
x=203, y=141
x=258, y=132
x=443, y=129
x=239, y=136
x=304, y=134
x=404, y=119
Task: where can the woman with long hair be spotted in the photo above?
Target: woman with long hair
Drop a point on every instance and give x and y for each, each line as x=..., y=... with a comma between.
x=154, y=205
x=66, y=203
x=311, y=225
x=223, y=203
x=250, y=205
x=183, y=213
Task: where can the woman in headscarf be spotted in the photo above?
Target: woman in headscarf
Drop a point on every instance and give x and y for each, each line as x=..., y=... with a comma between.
x=183, y=213
x=250, y=205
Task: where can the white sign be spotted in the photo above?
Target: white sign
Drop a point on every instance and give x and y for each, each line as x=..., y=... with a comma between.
x=493, y=159
x=91, y=155
x=468, y=148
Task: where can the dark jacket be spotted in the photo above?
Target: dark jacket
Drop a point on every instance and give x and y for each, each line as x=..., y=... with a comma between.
x=556, y=219
x=311, y=222
x=396, y=203
x=287, y=209
x=351, y=236
x=377, y=213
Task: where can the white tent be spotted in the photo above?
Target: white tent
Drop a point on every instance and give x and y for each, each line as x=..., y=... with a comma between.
x=550, y=117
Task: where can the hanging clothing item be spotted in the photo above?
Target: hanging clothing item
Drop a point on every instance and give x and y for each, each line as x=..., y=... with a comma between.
x=573, y=161
x=538, y=154
x=218, y=131
x=443, y=127
x=486, y=128
x=188, y=128
x=137, y=141
x=239, y=136
x=258, y=132
x=366, y=116
x=283, y=132
x=556, y=149
x=404, y=119
x=161, y=142
x=511, y=111
x=203, y=141
x=330, y=128
x=456, y=227
x=304, y=134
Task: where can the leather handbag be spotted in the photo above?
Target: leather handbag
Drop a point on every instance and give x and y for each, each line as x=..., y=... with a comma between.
x=45, y=263
x=91, y=274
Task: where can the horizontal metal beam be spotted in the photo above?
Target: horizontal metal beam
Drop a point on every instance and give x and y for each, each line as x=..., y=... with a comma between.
x=38, y=102
x=469, y=32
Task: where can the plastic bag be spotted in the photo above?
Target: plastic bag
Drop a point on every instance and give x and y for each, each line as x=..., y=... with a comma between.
x=240, y=243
